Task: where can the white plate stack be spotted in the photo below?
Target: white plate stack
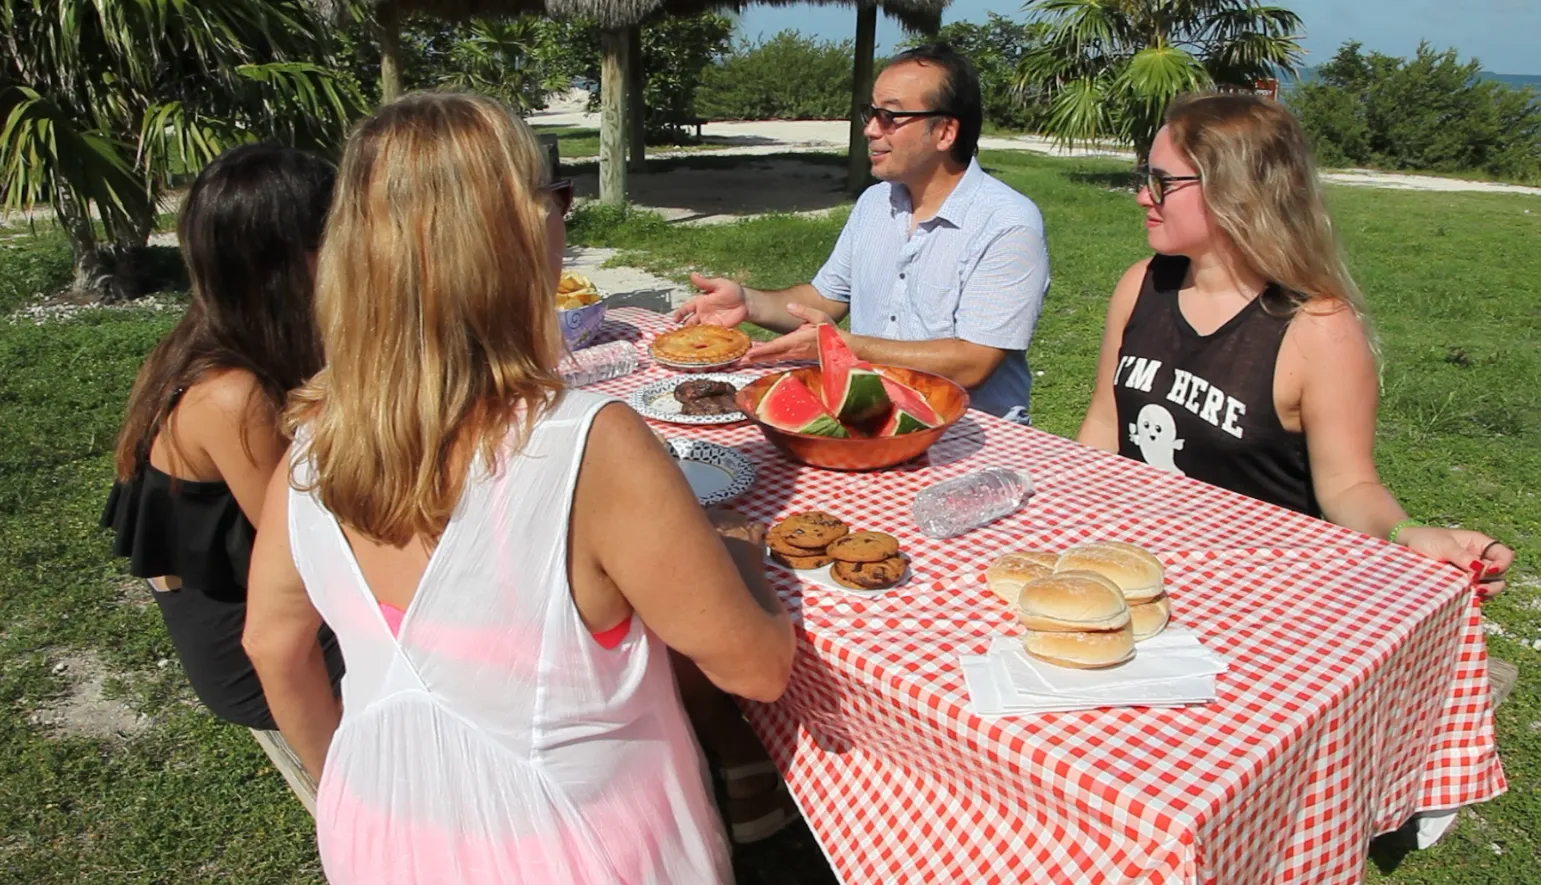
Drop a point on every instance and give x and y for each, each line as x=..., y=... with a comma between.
x=1171, y=669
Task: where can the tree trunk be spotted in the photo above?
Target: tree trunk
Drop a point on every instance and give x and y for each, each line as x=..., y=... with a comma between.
x=612, y=116
x=636, y=107
x=128, y=277
x=89, y=273
x=388, y=21
x=859, y=168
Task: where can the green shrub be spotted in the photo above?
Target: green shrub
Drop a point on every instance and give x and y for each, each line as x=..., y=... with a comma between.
x=995, y=48
x=788, y=77
x=676, y=53
x=1426, y=113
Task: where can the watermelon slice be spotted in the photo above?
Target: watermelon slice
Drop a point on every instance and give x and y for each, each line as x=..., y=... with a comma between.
x=853, y=390
x=910, y=411
x=789, y=405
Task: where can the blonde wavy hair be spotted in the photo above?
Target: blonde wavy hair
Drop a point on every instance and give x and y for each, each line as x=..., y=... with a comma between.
x=1261, y=187
x=436, y=309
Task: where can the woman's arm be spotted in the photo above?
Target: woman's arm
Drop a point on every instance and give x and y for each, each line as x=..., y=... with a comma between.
x=281, y=641
x=1100, y=427
x=1339, y=399
x=637, y=522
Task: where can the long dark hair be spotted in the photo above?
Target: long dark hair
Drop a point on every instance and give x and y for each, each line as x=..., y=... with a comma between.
x=250, y=225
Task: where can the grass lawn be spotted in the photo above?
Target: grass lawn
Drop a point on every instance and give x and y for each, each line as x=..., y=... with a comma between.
x=1451, y=278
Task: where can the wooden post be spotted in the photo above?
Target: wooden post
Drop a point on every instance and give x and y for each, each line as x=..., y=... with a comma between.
x=636, y=106
x=388, y=20
x=859, y=169
x=612, y=116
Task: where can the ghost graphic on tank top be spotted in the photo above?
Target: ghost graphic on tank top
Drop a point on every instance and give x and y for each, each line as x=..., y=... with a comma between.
x=1154, y=432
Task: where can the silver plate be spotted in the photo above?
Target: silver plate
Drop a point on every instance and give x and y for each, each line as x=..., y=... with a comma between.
x=695, y=367
x=656, y=400
x=716, y=474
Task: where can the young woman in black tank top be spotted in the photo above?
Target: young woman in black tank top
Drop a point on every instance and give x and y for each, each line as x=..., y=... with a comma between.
x=1237, y=355
x=201, y=436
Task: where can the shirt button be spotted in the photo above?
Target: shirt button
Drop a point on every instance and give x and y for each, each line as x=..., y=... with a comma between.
x=901, y=276
x=892, y=318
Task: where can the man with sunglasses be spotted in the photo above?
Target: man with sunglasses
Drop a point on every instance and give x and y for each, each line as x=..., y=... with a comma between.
x=940, y=267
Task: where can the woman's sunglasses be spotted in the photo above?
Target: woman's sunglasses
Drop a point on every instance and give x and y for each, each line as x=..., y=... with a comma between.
x=561, y=193
x=1158, y=183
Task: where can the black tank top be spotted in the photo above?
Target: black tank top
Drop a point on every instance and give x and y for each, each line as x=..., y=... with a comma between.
x=1202, y=405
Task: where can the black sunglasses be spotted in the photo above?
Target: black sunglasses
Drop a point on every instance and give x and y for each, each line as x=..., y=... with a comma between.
x=561, y=192
x=888, y=119
x=1159, y=184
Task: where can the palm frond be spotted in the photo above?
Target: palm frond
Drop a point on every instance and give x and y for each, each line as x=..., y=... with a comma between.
x=1246, y=57
x=1081, y=112
x=42, y=153
x=1148, y=84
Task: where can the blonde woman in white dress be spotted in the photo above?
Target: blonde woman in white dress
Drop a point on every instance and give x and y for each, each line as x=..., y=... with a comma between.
x=505, y=563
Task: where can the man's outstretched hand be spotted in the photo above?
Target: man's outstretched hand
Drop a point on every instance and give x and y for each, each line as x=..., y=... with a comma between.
x=801, y=343
x=721, y=303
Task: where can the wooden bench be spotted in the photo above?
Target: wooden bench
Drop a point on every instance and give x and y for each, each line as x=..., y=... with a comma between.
x=288, y=765
x=1501, y=676
x=687, y=122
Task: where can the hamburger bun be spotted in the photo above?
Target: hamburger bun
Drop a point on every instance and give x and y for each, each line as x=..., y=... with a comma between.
x=1081, y=651
x=1149, y=618
x=1007, y=574
x=1072, y=601
x=1137, y=573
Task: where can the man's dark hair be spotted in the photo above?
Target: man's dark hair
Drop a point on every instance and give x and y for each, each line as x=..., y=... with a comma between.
x=957, y=96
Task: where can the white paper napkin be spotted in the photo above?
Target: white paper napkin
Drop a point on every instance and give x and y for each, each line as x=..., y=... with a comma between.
x=1173, y=654
x=1171, y=669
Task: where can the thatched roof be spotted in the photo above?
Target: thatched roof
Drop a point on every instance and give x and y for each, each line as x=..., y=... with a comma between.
x=916, y=15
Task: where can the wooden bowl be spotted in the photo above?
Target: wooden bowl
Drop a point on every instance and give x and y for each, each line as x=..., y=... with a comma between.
x=859, y=453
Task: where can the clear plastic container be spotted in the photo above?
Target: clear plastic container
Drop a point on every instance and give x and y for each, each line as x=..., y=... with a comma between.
x=960, y=505
x=592, y=365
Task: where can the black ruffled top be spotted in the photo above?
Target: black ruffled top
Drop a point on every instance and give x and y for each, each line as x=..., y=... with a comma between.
x=194, y=530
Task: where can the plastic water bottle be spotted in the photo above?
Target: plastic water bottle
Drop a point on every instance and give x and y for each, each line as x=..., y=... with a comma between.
x=960, y=505
x=592, y=365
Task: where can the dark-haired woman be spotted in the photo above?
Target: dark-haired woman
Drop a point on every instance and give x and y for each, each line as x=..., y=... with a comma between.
x=201, y=435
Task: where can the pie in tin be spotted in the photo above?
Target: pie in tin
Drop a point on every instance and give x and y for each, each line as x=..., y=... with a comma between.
x=700, y=346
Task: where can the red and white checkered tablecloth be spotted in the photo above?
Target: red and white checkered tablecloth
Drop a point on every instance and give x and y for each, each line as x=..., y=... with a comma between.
x=1357, y=693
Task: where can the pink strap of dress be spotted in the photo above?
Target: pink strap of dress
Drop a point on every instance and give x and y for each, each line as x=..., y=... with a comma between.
x=607, y=639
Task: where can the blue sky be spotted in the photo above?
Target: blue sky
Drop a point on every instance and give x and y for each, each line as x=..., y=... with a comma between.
x=1502, y=33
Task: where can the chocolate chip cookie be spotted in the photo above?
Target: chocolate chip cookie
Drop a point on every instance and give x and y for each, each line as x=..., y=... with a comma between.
x=813, y=560
x=865, y=547
x=776, y=540
x=878, y=575
x=811, y=530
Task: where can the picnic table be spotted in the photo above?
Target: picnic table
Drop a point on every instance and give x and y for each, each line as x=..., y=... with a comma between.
x=1357, y=692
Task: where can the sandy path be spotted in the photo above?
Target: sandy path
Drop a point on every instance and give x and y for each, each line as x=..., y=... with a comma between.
x=781, y=136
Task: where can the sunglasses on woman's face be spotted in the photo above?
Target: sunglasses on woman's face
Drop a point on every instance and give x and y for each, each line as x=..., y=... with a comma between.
x=1159, y=183
x=561, y=193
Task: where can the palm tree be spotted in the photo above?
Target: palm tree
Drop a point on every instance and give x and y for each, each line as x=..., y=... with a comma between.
x=105, y=104
x=503, y=59
x=1110, y=67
